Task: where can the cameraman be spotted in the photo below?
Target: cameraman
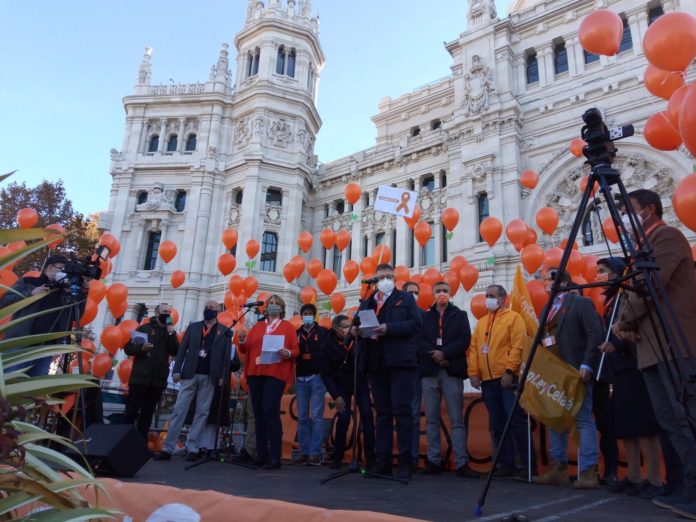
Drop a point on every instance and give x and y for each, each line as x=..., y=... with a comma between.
x=49, y=282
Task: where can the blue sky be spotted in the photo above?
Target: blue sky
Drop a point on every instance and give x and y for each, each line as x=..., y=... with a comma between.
x=65, y=67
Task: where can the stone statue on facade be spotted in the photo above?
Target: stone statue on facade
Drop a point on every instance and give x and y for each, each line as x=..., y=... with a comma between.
x=280, y=132
x=478, y=87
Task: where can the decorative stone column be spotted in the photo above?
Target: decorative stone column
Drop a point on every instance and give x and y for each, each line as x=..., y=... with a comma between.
x=162, y=135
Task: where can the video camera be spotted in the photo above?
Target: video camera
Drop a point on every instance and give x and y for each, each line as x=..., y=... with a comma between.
x=600, y=149
x=75, y=269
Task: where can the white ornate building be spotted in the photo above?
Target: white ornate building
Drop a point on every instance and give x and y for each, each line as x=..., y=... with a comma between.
x=237, y=150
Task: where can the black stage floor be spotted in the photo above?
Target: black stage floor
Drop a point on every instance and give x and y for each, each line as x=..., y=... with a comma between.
x=441, y=498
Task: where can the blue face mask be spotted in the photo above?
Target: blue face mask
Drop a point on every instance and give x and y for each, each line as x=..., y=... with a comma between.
x=308, y=320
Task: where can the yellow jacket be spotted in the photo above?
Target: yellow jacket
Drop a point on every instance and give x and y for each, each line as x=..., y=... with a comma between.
x=504, y=343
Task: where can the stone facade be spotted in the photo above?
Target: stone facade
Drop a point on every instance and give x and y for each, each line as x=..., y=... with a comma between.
x=238, y=149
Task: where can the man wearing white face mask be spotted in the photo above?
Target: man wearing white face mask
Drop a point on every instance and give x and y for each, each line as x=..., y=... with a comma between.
x=494, y=360
x=391, y=362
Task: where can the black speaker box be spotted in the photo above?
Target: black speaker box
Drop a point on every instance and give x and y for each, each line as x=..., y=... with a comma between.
x=116, y=450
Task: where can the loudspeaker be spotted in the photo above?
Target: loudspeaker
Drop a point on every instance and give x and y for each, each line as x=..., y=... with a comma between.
x=116, y=450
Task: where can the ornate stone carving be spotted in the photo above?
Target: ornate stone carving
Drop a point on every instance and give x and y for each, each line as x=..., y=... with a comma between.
x=235, y=214
x=280, y=133
x=258, y=126
x=273, y=214
x=478, y=87
x=156, y=200
x=242, y=133
x=116, y=155
x=307, y=140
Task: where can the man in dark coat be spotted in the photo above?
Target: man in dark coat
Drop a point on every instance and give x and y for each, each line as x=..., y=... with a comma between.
x=150, y=368
x=390, y=356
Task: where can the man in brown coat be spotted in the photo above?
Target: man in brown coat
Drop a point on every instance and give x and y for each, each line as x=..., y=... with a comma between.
x=635, y=323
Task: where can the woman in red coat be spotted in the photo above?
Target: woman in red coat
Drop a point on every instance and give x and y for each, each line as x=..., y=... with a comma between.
x=267, y=374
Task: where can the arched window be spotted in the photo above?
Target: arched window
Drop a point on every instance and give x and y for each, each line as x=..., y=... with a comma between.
x=269, y=250
x=142, y=197
x=280, y=60
x=291, y=64
x=255, y=62
x=428, y=251
x=560, y=58
x=153, y=241
x=154, y=144
x=180, y=201
x=483, y=211
x=654, y=13
x=340, y=206
x=626, y=40
x=249, y=63
x=415, y=131
x=532, y=68
x=191, y=143
x=285, y=62
x=172, y=143
x=587, y=234
x=337, y=260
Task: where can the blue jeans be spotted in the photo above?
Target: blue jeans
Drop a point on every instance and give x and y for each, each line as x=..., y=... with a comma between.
x=310, y=411
x=589, y=447
x=499, y=403
x=416, y=407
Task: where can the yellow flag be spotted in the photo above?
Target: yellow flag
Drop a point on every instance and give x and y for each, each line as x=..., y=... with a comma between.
x=521, y=303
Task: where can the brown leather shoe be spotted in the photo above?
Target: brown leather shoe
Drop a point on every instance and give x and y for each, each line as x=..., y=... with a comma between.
x=556, y=475
x=589, y=479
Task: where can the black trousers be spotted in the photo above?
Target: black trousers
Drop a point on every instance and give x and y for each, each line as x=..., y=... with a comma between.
x=362, y=401
x=602, y=408
x=392, y=393
x=266, y=393
x=140, y=406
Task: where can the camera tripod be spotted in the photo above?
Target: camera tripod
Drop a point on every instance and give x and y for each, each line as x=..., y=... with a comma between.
x=644, y=275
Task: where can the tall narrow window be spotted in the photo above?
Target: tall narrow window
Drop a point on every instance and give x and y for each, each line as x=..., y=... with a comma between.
x=280, y=60
x=394, y=249
x=379, y=238
x=428, y=251
x=435, y=124
x=140, y=310
x=590, y=57
x=654, y=13
x=587, y=234
x=429, y=183
x=142, y=197
x=365, y=246
x=532, y=68
x=154, y=144
x=366, y=199
x=274, y=197
x=411, y=249
x=560, y=58
x=250, y=63
x=180, y=201
x=255, y=62
x=443, y=179
x=172, y=143
x=291, y=64
x=153, y=241
x=443, y=238
x=340, y=206
x=269, y=250
x=191, y=143
x=482, y=210
x=626, y=40
x=239, y=196
x=337, y=259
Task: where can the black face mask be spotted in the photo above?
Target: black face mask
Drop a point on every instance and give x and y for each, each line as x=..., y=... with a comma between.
x=164, y=318
x=209, y=314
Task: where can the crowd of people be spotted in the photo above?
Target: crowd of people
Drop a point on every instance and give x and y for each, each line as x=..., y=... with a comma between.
x=409, y=360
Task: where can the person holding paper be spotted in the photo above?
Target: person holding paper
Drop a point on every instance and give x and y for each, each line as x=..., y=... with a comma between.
x=390, y=356
x=270, y=347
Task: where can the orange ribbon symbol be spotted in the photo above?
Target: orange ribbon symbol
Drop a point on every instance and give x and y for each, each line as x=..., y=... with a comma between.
x=405, y=197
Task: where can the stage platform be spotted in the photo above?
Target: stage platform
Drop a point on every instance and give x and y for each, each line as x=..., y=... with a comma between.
x=439, y=498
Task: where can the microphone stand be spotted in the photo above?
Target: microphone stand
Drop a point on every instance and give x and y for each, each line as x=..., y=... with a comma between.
x=216, y=454
x=354, y=466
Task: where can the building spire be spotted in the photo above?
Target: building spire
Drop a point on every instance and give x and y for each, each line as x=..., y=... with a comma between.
x=145, y=70
x=221, y=68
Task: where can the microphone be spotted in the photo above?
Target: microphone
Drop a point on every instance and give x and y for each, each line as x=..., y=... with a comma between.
x=253, y=303
x=370, y=281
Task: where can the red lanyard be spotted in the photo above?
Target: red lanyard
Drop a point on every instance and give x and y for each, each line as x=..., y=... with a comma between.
x=440, y=322
x=270, y=328
x=204, y=334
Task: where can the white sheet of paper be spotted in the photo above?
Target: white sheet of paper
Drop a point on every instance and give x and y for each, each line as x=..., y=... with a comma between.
x=270, y=349
x=138, y=337
x=368, y=322
x=397, y=201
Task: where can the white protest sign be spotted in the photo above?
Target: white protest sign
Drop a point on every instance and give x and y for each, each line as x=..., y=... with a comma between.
x=397, y=201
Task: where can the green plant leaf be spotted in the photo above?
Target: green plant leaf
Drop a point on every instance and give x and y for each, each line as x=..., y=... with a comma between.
x=490, y=261
x=449, y=235
x=47, y=385
x=42, y=453
x=73, y=515
x=18, y=320
x=354, y=216
x=32, y=353
x=20, y=499
x=26, y=234
x=5, y=176
x=29, y=340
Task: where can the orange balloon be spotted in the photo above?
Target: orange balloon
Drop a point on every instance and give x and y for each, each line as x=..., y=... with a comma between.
x=97, y=291
x=684, y=201
x=304, y=241
x=600, y=32
x=423, y=232
x=55, y=228
x=351, y=270
x=432, y=276
x=297, y=263
x=108, y=240
x=251, y=285
x=531, y=237
x=693, y=252
x=660, y=134
x=314, y=266
x=662, y=83
x=112, y=339
x=352, y=193
x=124, y=370
x=5, y=251
x=553, y=258
x=288, y=273
x=529, y=179
x=413, y=220
x=576, y=264
x=16, y=245
x=338, y=302
x=226, y=264
x=368, y=265
x=327, y=238
x=426, y=298
x=597, y=297
x=101, y=364
x=226, y=318
x=126, y=327
x=610, y=231
x=491, y=228
x=687, y=120
x=177, y=278
x=583, y=185
x=119, y=309
x=252, y=248
x=237, y=284
x=547, y=220
x=325, y=322
x=576, y=147
x=167, y=250
x=676, y=103
x=564, y=242
x=105, y=266
x=670, y=41
x=296, y=321
x=478, y=306
x=532, y=258
x=468, y=275
x=88, y=344
x=538, y=295
x=116, y=293
x=417, y=278
x=326, y=281
x=308, y=294
x=32, y=273
x=173, y=312
x=230, y=300
x=263, y=296
x=401, y=273
x=452, y=279
x=516, y=232
x=450, y=218
x=381, y=254
x=88, y=314
x=457, y=263
x=589, y=270
x=342, y=239
x=229, y=238
x=27, y=217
